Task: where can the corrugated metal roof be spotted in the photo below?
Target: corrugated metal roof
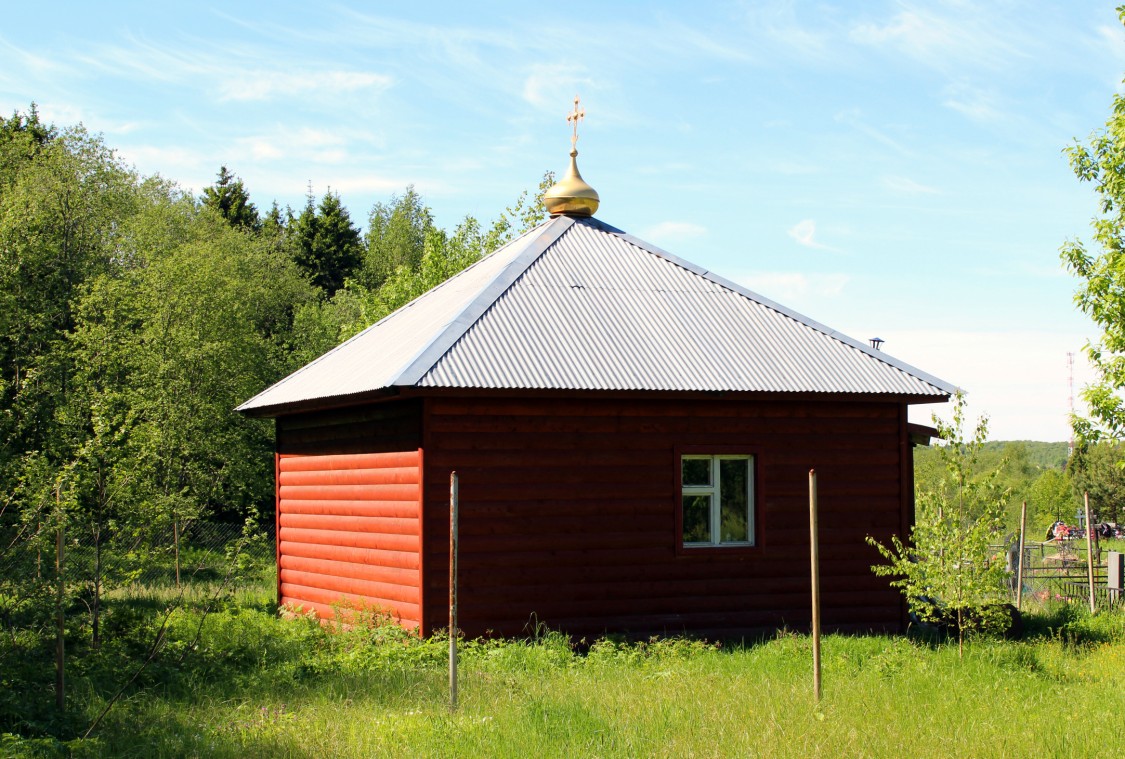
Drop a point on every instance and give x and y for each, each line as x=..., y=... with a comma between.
x=577, y=304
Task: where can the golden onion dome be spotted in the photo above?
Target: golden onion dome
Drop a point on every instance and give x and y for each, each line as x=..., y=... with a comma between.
x=571, y=196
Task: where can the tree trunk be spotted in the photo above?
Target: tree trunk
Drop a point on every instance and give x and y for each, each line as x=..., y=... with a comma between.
x=60, y=623
x=95, y=611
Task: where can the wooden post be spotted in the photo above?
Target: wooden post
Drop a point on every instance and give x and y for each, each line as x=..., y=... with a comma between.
x=1019, y=567
x=453, y=508
x=814, y=560
x=1089, y=553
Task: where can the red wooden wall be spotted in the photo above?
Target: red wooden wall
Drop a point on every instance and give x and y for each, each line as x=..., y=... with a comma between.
x=569, y=508
x=569, y=512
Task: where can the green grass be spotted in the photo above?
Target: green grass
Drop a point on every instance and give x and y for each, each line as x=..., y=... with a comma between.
x=261, y=686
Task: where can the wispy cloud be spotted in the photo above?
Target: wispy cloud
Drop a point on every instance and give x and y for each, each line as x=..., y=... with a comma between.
x=793, y=168
x=972, y=102
x=185, y=165
x=795, y=287
x=320, y=145
x=804, y=232
x=854, y=118
x=548, y=85
x=945, y=36
x=673, y=231
x=780, y=26
x=907, y=186
x=263, y=85
x=689, y=39
x=31, y=62
x=233, y=76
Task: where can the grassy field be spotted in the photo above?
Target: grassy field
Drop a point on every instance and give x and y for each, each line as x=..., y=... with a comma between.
x=255, y=685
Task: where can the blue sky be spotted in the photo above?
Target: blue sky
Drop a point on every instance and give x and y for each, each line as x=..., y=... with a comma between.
x=886, y=168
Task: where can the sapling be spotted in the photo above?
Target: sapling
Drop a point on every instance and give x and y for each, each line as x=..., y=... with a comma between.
x=949, y=571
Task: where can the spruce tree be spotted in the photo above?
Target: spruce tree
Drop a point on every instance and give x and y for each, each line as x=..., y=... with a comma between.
x=327, y=243
x=229, y=197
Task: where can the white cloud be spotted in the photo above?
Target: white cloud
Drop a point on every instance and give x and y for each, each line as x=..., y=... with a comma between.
x=1019, y=379
x=1113, y=40
x=972, y=102
x=673, y=231
x=804, y=232
x=37, y=65
x=907, y=186
x=55, y=112
x=946, y=37
x=262, y=85
x=548, y=85
x=852, y=117
x=318, y=145
x=780, y=24
x=794, y=287
x=170, y=162
x=793, y=168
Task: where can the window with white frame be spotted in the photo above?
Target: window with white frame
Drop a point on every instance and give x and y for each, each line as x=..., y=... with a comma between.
x=718, y=500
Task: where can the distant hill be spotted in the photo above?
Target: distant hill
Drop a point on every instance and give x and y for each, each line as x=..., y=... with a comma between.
x=1036, y=455
x=1040, y=455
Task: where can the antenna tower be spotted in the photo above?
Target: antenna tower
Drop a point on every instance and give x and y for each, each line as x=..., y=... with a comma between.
x=1070, y=388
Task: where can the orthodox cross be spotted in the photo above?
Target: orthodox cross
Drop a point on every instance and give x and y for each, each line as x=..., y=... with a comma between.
x=574, y=118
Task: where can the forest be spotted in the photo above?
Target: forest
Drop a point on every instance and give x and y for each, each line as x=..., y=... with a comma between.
x=135, y=317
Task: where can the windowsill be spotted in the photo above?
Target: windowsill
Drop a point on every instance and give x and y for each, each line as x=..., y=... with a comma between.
x=710, y=552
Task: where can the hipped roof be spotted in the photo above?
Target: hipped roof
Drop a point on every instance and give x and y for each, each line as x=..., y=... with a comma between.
x=576, y=304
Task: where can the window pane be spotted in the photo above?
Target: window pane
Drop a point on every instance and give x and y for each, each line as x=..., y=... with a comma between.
x=696, y=472
x=734, y=498
x=697, y=519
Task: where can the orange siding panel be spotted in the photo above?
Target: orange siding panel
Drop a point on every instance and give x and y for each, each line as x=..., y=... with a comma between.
x=396, y=559
x=326, y=603
x=378, y=541
x=349, y=523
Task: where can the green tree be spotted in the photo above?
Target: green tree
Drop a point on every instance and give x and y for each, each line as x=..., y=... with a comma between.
x=520, y=217
x=948, y=571
x=1051, y=498
x=22, y=138
x=217, y=306
x=229, y=198
x=396, y=237
x=60, y=214
x=1101, y=292
x=327, y=244
x=1097, y=469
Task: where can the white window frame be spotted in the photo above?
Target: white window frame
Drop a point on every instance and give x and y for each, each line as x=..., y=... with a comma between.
x=714, y=491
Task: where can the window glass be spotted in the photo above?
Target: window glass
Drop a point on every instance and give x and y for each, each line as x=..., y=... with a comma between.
x=697, y=519
x=734, y=497
x=697, y=472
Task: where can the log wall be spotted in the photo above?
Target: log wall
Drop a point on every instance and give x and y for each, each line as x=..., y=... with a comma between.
x=569, y=513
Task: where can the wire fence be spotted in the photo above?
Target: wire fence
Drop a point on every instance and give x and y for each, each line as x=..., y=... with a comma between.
x=148, y=560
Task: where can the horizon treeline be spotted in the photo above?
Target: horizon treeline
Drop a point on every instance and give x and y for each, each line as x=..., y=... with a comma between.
x=134, y=317
x=1050, y=479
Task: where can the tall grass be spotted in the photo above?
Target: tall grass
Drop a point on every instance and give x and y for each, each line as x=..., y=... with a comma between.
x=257, y=685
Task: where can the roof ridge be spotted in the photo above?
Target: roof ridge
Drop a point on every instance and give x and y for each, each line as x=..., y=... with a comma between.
x=430, y=353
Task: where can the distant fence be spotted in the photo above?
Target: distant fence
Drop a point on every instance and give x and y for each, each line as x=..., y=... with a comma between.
x=1057, y=570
